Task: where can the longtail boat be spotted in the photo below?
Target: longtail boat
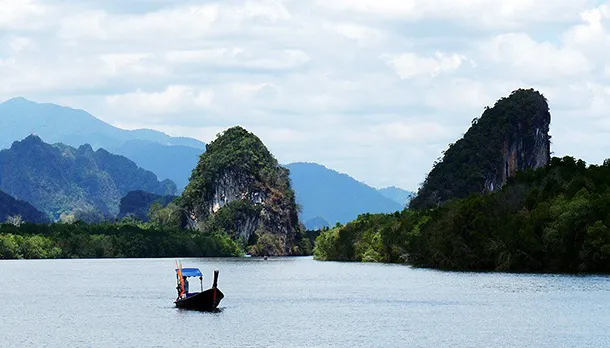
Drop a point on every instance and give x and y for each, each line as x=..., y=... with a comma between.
x=207, y=300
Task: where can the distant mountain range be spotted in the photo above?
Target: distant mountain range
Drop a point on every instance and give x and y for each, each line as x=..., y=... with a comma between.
x=316, y=223
x=398, y=195
x=168, y=157
x=328, y=195
x=167, y=161
x=60, y=179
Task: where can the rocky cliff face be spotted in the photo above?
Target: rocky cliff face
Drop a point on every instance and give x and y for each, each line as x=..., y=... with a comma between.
x=511, y=136
x=233, y=186
x=239, y=187
x=526, y=143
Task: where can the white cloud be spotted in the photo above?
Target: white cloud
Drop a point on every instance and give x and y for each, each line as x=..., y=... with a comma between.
x=496, y=13
x=272, y=11
x=362, y=34
x=406, y=8
x=124, y=62
x=409, y=65
x=240, y=57
x=592, y=36
x=374, y=88
x=19, y=43
x=18, y=14
x=465, y=95
x=542, y=60
x=185, y=22
x=410, y=131
x=173, y=99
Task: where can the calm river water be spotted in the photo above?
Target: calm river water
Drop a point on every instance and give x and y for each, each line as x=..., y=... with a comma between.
x=296, y=302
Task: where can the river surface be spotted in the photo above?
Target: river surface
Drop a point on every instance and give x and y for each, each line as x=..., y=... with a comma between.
x=296, y=302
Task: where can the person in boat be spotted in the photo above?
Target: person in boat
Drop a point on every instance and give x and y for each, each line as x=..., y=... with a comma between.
x=179, y=286
x=186, y=285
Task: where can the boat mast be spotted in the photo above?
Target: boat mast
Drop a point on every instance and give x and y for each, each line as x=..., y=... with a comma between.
x=180, y=278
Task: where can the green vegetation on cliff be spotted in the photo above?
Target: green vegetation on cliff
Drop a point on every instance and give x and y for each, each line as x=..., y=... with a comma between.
x=510, y=136
x=239, y=188
x=554, y=219
x=495, y=202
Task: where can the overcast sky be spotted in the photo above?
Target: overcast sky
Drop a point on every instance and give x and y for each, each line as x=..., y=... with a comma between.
x=372, y=88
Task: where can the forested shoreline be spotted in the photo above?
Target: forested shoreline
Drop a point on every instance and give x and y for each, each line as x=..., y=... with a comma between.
x=554, y=219
x=127, y=238
x=495, y=201
x=110, y=240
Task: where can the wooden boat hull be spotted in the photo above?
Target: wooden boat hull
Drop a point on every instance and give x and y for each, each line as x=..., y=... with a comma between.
x=202, y=301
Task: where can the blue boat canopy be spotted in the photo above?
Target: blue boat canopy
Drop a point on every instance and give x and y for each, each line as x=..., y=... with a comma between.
x=191, y=272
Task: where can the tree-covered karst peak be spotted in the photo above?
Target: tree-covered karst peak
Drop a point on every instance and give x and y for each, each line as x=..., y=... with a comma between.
x=240, y=188
x=512, y=135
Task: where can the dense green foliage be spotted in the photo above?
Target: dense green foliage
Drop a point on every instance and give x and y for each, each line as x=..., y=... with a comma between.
x=126, y=240
x=61, y=180
x=232, y=217
x=11, y=207
x=160, y=237
x=252, y=193
x=513, y=134
x=554, y=219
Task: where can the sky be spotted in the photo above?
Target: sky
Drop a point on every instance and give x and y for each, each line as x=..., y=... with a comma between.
x=372, y=88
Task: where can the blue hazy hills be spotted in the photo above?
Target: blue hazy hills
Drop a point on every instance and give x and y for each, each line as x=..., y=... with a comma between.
x=169, y=157
x=326, y=196
x=335, y=197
